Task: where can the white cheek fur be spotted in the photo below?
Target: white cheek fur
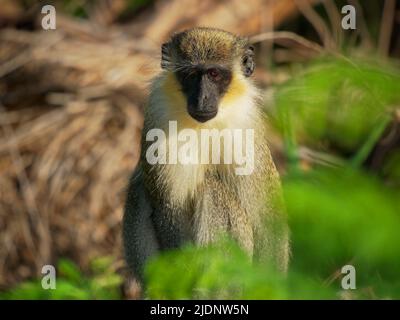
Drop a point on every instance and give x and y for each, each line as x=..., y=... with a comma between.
x=238, y=113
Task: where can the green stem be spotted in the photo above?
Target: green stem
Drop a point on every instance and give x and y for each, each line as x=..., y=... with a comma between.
x=365, y=150
x=290, y=144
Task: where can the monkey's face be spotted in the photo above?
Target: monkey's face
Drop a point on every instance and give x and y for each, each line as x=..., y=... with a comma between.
x=205, y=62
x=203, y=86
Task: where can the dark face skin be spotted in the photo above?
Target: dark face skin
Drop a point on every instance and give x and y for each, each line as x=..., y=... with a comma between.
x=203, y=86
x=205, y=65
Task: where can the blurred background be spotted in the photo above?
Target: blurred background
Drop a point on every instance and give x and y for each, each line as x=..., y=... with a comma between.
x=71, y=111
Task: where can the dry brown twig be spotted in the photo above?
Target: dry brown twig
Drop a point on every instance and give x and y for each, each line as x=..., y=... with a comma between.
x=40, y=221
x=317, y=22
x=363, y=27
x=26, y=56
x=286, y=35
x=386, y=26
x=335, y=20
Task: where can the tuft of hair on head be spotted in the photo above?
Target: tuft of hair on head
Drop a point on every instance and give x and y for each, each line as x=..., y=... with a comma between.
x=206, y=45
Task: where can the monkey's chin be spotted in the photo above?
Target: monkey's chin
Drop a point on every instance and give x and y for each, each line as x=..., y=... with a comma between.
x=203, y=116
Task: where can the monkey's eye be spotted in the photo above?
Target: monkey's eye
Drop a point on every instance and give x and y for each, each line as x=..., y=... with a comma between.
x=214, y=74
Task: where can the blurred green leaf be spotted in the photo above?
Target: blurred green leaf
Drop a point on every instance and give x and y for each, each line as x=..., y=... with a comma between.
x=69, y=270
x=101, y=264
x=71, y=283
x=336, y=102
x=343, y=216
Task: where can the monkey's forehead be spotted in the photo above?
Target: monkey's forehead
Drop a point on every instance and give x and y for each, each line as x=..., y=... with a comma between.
x=205, y=44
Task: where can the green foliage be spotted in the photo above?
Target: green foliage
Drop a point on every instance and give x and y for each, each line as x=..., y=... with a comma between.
x=341, y=216
x=337, y=216
x=79, y=8
x=336, y=102
x=103, y=283
x=222, y=271
x=137, y=4
x=74, y=8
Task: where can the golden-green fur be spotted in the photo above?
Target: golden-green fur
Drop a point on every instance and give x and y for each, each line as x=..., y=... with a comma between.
x=237, y=110
x=171, y=204
x=202, y=45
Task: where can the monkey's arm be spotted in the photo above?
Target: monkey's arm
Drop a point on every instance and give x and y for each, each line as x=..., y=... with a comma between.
x=272, y=244
x=139, y=236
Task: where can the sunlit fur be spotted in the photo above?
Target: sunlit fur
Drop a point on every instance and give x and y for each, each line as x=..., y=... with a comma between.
x=237, y=110
x=201, y=45
x=170, y=205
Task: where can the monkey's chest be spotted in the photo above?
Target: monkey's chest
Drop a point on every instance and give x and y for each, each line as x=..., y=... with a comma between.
x=223, y=208
x=217, y=204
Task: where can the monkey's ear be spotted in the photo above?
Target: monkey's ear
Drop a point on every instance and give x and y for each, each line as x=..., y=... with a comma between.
x=165, y=55
x=248, y=64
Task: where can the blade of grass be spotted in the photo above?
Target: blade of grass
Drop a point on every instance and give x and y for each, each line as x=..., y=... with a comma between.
x=365, y=150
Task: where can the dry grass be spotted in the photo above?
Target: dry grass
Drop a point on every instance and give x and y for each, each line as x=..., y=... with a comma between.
x=69, y=139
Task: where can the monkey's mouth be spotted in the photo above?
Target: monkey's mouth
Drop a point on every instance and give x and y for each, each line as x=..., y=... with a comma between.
x=203, y=116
